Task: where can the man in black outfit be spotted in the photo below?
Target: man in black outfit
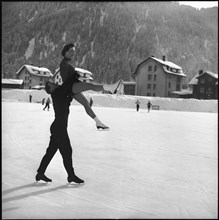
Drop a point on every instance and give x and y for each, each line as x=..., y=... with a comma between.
x=61, y=97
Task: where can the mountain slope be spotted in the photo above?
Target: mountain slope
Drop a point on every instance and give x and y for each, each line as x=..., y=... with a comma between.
x=111, y=37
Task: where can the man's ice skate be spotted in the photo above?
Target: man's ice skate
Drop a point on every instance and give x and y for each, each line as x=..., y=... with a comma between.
x=42, y=177
x=75, y=179
x=111, y=88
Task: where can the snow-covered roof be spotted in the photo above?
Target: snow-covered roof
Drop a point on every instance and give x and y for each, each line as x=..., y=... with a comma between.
x=38, y=87
x=194, y=80
x=36, y=70
x=169, y=64
x=12, y=81
x=183, y=92
x=214, y=75
x=77, y=69
x=166, y=65
x=83, y=70
x=128, y=83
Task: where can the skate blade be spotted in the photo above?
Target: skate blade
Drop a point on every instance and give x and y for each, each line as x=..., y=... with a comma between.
x=103, y=129
x=75, y=184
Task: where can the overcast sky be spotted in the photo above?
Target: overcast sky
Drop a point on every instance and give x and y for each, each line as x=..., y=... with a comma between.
x=200, y=4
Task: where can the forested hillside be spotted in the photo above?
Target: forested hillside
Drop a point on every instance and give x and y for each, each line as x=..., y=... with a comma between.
x=111, y=38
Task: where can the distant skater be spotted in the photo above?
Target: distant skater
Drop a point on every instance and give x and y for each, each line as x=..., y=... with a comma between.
x=91, y=102
x=149, y=105
x=47, y=104
x=137, y=105
x=30, y=98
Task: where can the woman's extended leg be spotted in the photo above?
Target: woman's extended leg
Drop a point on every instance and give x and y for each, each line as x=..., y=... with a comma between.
x=79, y=97
x=84, y=86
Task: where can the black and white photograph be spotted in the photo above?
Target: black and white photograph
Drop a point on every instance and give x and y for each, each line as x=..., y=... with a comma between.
x=109, y=110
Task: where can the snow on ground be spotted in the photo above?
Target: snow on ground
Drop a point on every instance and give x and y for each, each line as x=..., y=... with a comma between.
x=161, y=164
x=120, y=101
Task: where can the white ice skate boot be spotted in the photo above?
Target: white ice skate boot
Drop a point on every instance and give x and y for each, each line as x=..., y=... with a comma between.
x=111, y=88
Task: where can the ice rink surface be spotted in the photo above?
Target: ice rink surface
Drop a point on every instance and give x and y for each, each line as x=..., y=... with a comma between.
x=161, y=164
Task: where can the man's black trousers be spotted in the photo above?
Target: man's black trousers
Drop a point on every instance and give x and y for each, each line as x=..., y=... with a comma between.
x=58, y=140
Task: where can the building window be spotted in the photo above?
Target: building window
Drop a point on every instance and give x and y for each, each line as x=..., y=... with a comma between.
x=168, y=94
x=209, y=89
x=178, y=79
x=209, y=79
x=148, y=94
x=149, y=86
x=41, y=78
x=202, y=89
x=154, y=86
x=149, y=76
x=155, y=77
x=169, y=84
x=202, y=81
x=154, y=94
x=177, y=87
x=149, y=68
x=155, y=68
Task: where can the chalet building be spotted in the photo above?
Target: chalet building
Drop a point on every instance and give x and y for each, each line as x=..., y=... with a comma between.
x=156, y=77
x=33, y=76
x=184, y=93
x=12, y=84
x=125, y=88
x=58, y=79
x=204, y=85
x=129, y=88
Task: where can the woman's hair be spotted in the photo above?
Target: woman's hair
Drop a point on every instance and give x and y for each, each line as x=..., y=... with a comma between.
x=47, y=87
x=66, y=48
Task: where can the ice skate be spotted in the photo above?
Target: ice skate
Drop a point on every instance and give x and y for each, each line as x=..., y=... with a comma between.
x=100, y=127
x=75, y=179
x=42, y=177
x=111, y=88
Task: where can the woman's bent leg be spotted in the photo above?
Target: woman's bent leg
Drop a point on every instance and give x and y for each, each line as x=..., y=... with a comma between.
x=83, y=101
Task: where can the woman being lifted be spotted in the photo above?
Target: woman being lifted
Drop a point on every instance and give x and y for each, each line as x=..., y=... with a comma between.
x=70, y=79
